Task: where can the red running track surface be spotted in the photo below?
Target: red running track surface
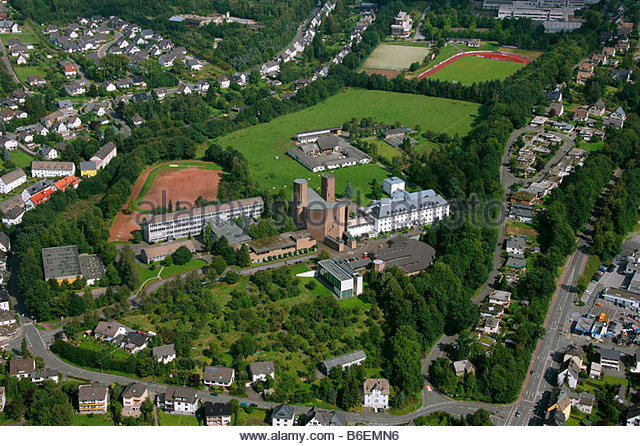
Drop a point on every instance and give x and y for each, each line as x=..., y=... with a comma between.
x=494, y=55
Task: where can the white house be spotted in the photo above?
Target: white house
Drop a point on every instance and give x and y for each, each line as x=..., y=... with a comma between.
x=44, y=169
x=22, y=368
x=283, y=415
x=41, y=375
x=569, y=371
x=260, y=370
x=218, y=376
x=11, y=180
x=104, y=156
x=179, y=400
x=107, y=331
x=5, y=246
x=376, y=394
x=164, y=354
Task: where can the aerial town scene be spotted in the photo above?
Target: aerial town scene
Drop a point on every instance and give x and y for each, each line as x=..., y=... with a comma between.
x=335, y=213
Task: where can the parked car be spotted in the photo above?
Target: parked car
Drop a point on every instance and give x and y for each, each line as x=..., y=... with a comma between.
x=244, y=404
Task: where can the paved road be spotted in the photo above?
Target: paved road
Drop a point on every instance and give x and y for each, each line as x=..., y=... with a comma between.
x=557, y=336
x=5, y=59
x=419, y=35
x=102, y=51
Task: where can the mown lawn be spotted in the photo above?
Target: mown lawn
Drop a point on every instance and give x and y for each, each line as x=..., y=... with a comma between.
x=169, y=419
x=23, y=72
x=251, y=416
x=469, y=70
x=91, y=420
x=265, y=145
x=172, y=270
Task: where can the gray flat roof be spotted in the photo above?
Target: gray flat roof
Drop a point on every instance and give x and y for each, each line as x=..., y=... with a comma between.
x=338, y=268
x=61, y=262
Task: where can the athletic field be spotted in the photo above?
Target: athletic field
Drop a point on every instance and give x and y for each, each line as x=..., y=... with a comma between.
x=395, y=57
x=470, y=69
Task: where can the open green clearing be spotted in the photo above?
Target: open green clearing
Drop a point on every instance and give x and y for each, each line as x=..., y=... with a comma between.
x=395, y=57
x=468, y=70
x=20, y=158
x=265, y=145
x=25, y=36
x=23, y=72
x=91, y=420
x=169, y=419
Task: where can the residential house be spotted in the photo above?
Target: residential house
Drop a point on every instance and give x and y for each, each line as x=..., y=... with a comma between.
x=93, y=398
x=137, y=120
x=12, y=180
x=133, y=396
x=135, y=341
x=597, y=109
x=88, y=169
x=49, y=153
x=556, y=109
x=283, y=415
x=322, y=417
x=516, y=244
x=70, y=70
x=224, y=82
x=615, y=119
x=595, y=370
x=21, y=368
x=498, y=297
x=108, y=86
x=632, y=416
x=164, y=354
x=376, y=394
x=610, y=358
x=569, y=372
x=5, y=245
x=583, y=402
x=36, y=81
x=217, y=414
x=108, y=331
x=104, y=156
x=258, y=371
x=40, y=375
x=13, y=216
x=622, y=75
x=179, y=400
x=3, y=399
x=218, y=376
x=464, y=367
x=491, y=310
x=44, y=169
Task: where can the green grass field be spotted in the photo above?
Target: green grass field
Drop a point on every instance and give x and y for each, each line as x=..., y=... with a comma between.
x=395, y=57
x=25, y=36
x=23, y=72
x=265, y=145
x=91, y=420
x=169, y=419
x=468, y=70
x=20, y=158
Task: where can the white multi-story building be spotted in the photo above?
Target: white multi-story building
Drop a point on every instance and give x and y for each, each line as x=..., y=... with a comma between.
x=179, y=400
x=11, y=180
x=401, y=27
x=391, y=185
x=376, y=394
x=181, y=224
x=46, y=169
x=104, y=156
x=405, y=209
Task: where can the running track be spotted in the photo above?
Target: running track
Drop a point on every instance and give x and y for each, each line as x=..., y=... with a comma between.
x=494, y=55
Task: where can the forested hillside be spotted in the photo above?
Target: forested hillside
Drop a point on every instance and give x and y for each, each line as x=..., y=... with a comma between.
x=241, y=48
